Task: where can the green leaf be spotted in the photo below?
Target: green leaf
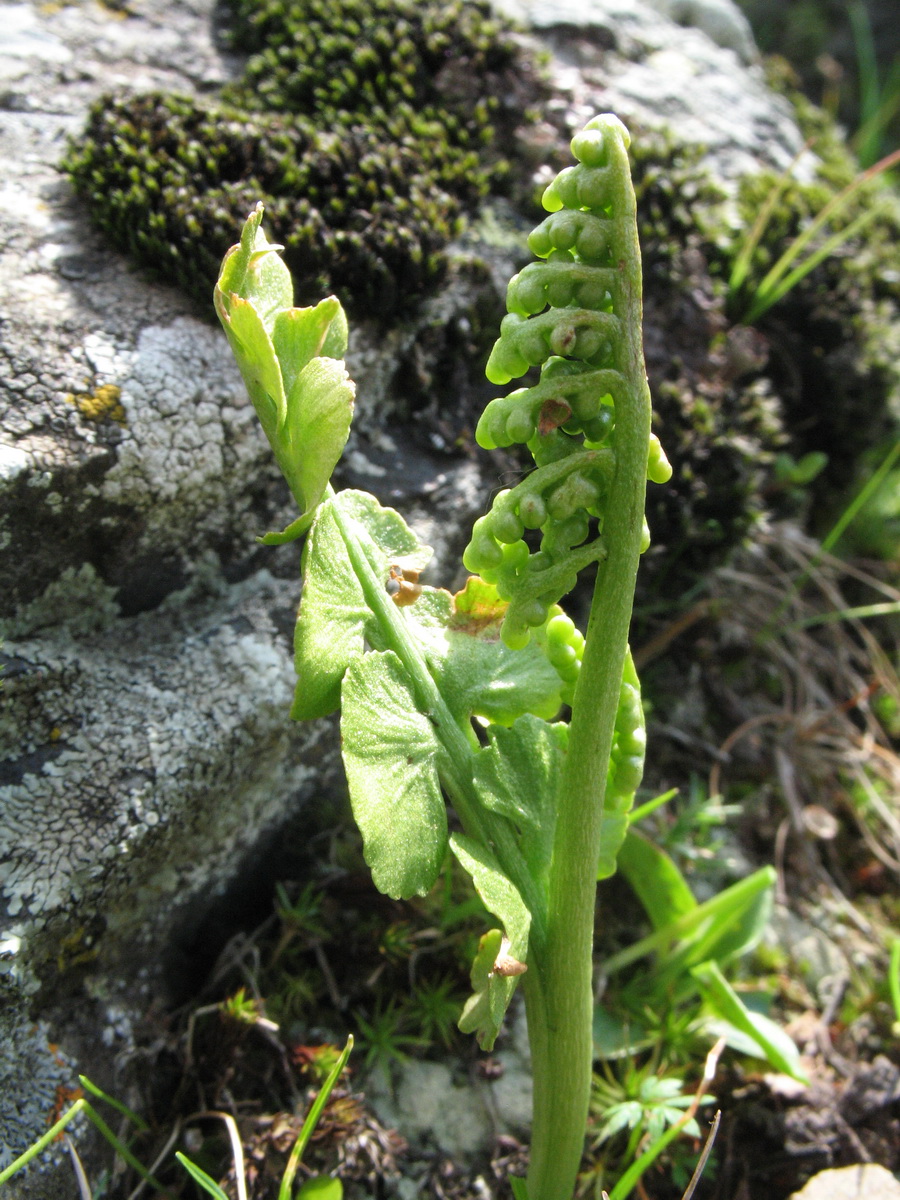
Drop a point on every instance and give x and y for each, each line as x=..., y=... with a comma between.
x=332, y=621
x=655, y=879
x=747, y=925
x=255, y=356
x=253, y=271
x=290, y=533
x=460, y=640
x=300, y=334
x=321, y=1187
x=335, y=622
x=390, y=755
x=289, y=358
x=478, y=1011
x=727, y=924
x=479, y=675
x=319, y=412
x=499, y=960
x=498, y=894
x=517, y=775
x=199, y=1176
x=771, y=1041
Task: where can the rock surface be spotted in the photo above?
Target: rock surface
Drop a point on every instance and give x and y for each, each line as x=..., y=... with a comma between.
x=865, y=1181
x=144, y=746
x=685, y=66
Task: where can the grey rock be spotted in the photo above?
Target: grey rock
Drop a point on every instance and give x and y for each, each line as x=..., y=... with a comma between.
x=32, y=1068
x=669, y=65
x=141, y=760
x=115, y=718
x=872, y=1088
x=721, y=21
x=813, y=954
x=864, y=1181
x=511, y=1093
x=435, y=1109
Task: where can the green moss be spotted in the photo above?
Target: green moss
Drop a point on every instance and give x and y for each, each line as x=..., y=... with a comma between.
x=317, y=56
x=833, y=337
x=721, y=429
x=676, y=198
x=367, y=129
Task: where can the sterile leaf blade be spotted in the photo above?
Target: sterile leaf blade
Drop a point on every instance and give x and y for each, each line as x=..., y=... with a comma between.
x=390, y=755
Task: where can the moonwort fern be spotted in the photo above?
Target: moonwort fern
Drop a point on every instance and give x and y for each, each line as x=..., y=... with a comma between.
x=459, y=698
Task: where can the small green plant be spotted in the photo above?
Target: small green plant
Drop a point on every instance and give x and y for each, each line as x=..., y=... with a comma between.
x=463, y=699
x=435, y=1008
x=323, y=1188
x=382, y=1035
x=302, y=915
x=241, y=1008
x=879, y=99
x=457, y=696
x=797, y=260
x=680, y=997
x=640, y=1104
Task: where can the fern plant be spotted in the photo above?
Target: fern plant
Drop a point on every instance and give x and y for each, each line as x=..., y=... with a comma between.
x=459, y=699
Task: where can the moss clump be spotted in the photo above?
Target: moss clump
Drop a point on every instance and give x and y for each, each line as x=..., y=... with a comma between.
x=450, y=60
x=366, y=129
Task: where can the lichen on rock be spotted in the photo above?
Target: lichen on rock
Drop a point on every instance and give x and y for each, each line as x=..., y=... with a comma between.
x=107, y=805
x=35, y=1076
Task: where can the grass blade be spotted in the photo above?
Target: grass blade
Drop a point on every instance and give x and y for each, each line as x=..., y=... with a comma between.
x=894, y=979
x=121, y=1149
x=311, y=1121
x=871, y=486
x=869, y=134
x=644, y=810
x=798, y=245
x=887, y=609
x=43, y=1142
x=742, y=262
x=208, y=1184
x=84, y=1188
x=765, y=298
x=113, y=1103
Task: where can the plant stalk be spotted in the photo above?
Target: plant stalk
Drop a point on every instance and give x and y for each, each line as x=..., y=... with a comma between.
x=560, y=990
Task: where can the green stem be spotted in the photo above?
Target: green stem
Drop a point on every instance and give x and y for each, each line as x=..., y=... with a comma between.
x=43, y=1142
x=561, y=998
x=459, y=745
